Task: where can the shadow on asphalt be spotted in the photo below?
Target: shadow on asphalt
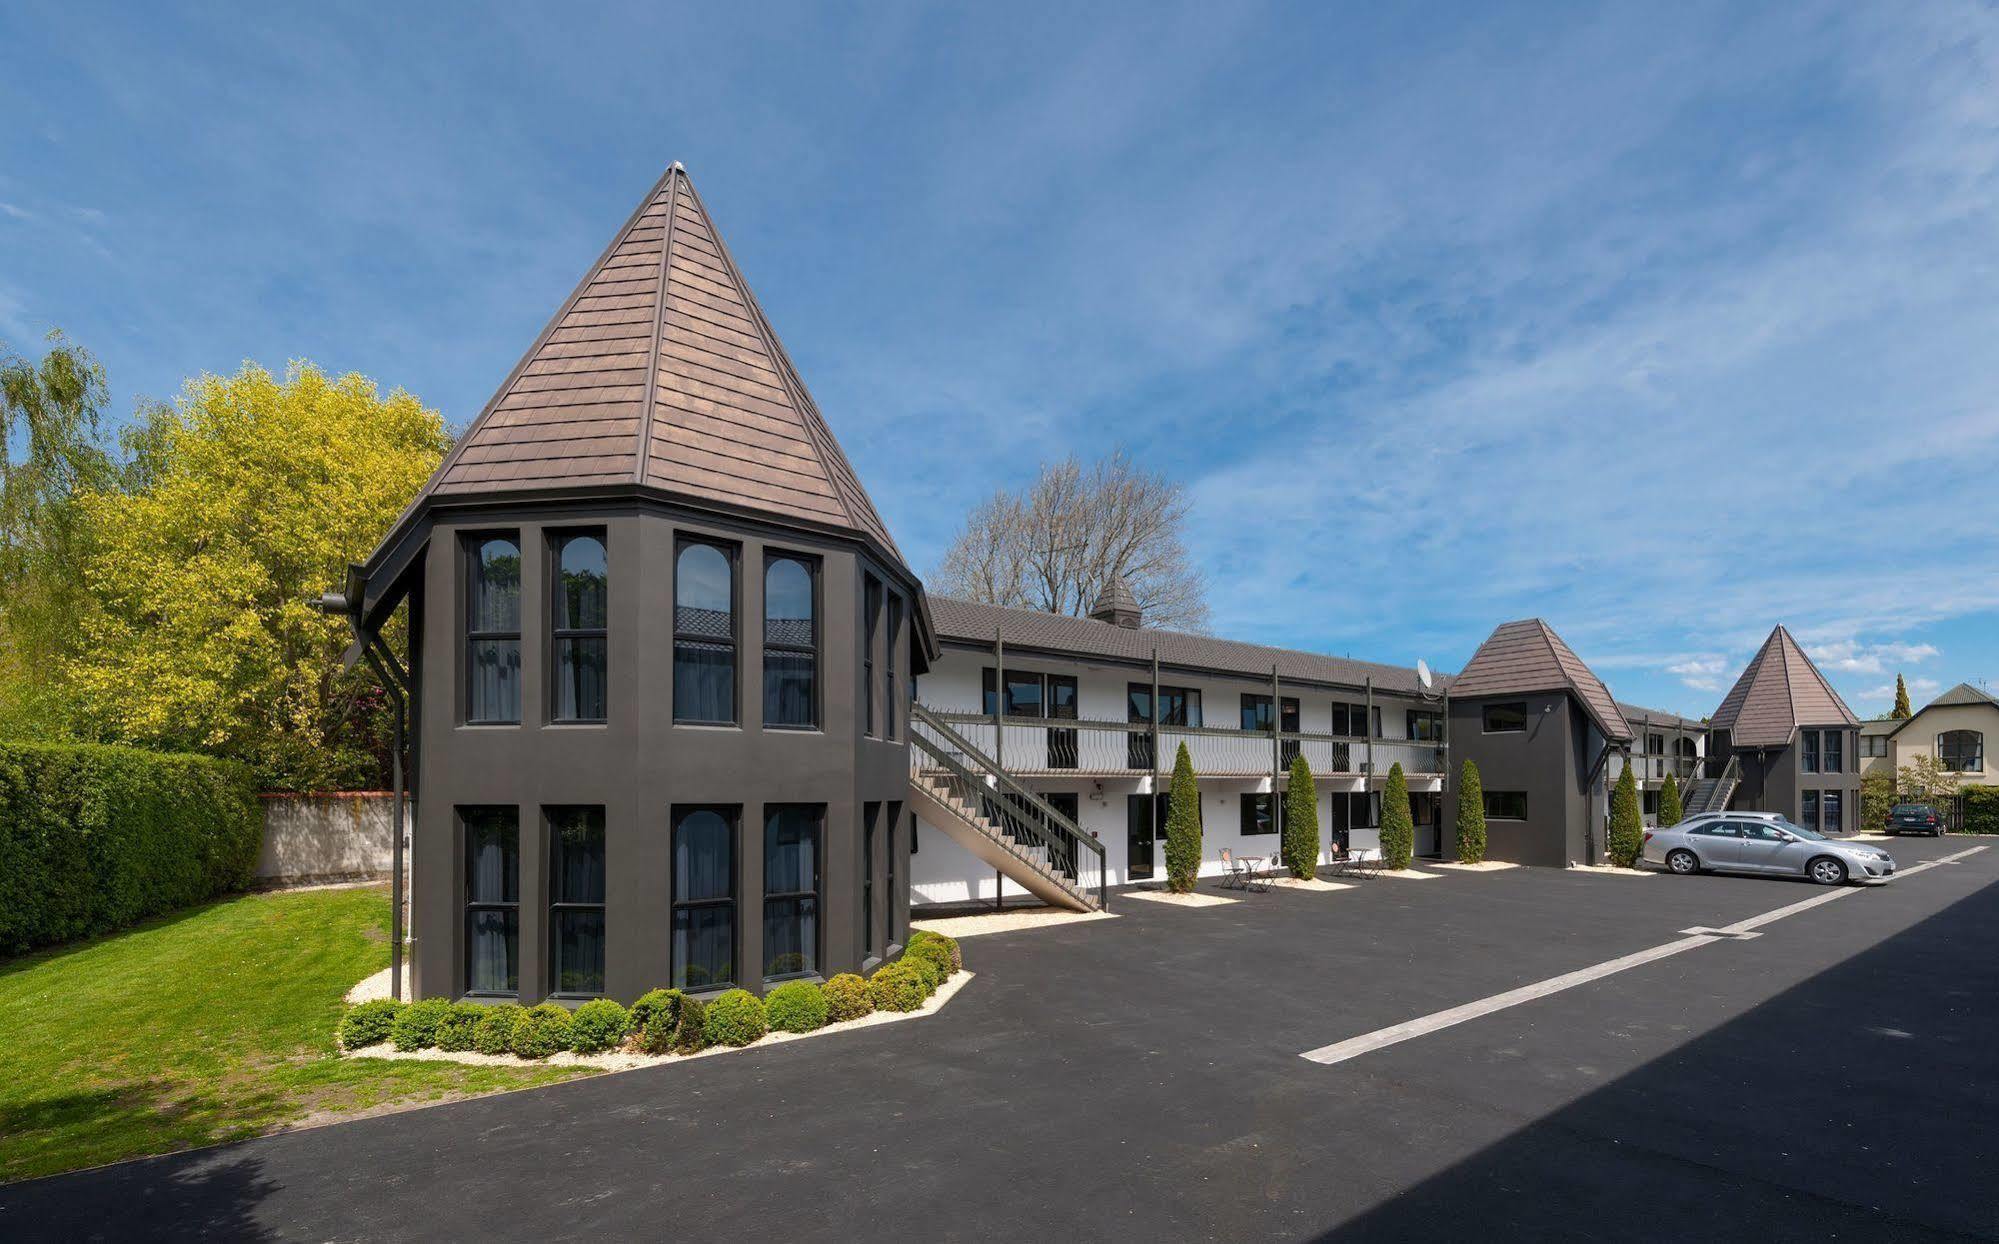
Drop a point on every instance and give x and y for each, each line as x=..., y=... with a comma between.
x=1861, y=1103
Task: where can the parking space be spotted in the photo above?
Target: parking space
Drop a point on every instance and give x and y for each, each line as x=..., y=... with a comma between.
x=1141, y=1077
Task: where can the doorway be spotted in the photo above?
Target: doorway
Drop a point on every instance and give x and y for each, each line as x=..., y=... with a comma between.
x=1426, y=808
x=1138, y=838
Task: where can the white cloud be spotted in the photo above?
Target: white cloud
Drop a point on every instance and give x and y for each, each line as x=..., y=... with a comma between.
x=1851, y=656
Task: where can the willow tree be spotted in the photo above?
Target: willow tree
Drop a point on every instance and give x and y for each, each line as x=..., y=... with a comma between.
x=1398, y=826
x=1301, y=822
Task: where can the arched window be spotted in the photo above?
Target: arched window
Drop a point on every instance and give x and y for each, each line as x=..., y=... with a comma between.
x=791, y=643
x=704, y=897
x=582, y=599
x=493, y=630
x=704, y=634
x=1962, y=751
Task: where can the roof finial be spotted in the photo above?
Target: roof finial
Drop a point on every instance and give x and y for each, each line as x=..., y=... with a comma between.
x=677, y=167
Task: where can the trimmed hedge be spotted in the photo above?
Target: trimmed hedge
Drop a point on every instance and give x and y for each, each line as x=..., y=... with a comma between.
x=369, y=1023
x=494, y=1033
x=416, y=1027
x=454, y=1032
x=690, y=1034
x=651, y=1003
x=898, y=987
x=1981, y=809
x=796, y=1006
x=847, y=996
x=598, y=1025
x=919, y=936
x=933, y=956
x=736, y=1018
x=96, y=838
x=542, y=1031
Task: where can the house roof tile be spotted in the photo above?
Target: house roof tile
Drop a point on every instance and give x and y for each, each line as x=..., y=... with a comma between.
x=1778, y=692
x=1527, y=656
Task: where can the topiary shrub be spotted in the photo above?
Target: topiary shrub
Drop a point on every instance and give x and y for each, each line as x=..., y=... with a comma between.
x=736, y=1018
x=454, y=1031
x=796, y=1006
x=597, y=1025
x=1398, y=827
x=690, y=1035
x=369, y=1023
x=1471, y=815
x=926, y=969
x=898, y=987
x=652, y=1018
x=935, y=956
x=1183, y=826
x=847, y=997
x=494, y=1033
x=1301, y=821
x=416, y=1027
x=542, y=1031
x=1671, y=810
x=1627, y=822
x=918, y=936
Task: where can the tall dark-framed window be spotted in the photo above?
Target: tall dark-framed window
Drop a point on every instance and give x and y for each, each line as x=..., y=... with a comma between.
x=1508, y=718
x=1138, y=711
x=1506, y=805
x=1026, y=692
x=578, y=629
x=1961, y=751
x=1424, y=726
x=493, y=629
x=1832, y=756
x=888, y=856
x=1062, y=743
x=1809, y=753
x=1363, y=810
x=791, y=641
x=793, y=836
x=704, y=633
x=891, y=696
x=1808, y=809
x=870, y=813
x=576, y=901
x=1256, y=815
x=492, y=900
x=704, y=897
x=1655, y=744
x=1830, y=803
x=871, y=609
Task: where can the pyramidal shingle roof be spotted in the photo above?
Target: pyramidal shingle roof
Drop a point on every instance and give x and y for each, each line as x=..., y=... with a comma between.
x=1779, y=691
x=1527, y=656
x=661, y=371
x=1964, y=693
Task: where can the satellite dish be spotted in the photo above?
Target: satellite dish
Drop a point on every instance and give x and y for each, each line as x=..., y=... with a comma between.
x=1423, y=673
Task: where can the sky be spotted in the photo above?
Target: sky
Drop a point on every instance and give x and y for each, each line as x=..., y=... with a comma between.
x=1666, y=323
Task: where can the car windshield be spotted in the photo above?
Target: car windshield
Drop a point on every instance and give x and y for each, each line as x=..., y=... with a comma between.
x=1911, y=809
x=1802, y=832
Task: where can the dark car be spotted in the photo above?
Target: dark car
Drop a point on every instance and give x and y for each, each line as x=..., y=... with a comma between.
x=1914, y=818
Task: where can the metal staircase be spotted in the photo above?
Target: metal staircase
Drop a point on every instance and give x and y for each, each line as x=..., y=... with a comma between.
x=1712, y=794
x=965, y=793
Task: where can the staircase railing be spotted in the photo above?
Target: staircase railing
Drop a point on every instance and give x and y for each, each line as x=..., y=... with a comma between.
x=1724, y=785
x=942, y=755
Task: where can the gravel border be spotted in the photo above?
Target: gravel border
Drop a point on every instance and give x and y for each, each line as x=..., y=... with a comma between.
x=1196, y=899
x=978, y=924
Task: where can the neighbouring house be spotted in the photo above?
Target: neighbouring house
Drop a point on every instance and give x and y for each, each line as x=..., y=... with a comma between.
x=1876, y=755
x=1953, y=729
x=1785, y=742
x=660, y=650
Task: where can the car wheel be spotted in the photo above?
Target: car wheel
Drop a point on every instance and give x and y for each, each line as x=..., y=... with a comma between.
x=1826, y=871
x=1685, y=863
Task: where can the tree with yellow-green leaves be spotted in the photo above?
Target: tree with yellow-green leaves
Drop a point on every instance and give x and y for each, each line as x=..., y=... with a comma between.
x=245, y=499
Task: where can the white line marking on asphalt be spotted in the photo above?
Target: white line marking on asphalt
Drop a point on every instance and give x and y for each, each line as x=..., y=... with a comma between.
x=1354, y=1047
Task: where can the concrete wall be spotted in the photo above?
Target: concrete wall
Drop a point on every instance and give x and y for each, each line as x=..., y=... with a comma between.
x=324, y=838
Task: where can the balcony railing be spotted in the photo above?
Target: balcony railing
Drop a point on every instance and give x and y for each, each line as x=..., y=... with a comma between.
x=1654, y=768
x=1098, y=747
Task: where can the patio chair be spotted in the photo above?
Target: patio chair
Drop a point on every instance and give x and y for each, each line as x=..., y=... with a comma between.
x=1231, y=871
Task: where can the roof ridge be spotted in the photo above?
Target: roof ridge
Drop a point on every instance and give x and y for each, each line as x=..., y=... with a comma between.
x=642, y=448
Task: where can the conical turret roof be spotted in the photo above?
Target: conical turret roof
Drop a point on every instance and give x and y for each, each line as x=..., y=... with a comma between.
x=1527, y=656
x=1779, y=691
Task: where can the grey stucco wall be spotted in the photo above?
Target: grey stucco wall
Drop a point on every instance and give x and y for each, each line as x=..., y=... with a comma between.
x=1546, y=761
x=331, y=837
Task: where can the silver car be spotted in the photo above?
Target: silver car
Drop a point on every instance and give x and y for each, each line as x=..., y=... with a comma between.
x=1763, y=843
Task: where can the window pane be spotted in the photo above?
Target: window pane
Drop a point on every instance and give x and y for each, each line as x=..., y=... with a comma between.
x=788, y=687
x=1023, y=695
x=704, y=592
x=788, y=604
x=791, y=849
x=704, y=682
x=791, y=936
x=1832, y=811
x=1502, y=718
x=1809, y=809
x=576, y=841
x=579, y=679
x=583, y=591
x=496, y=589
x=496, y=680
x=492, y=958
x=492, y=856
x=704, y=946
x=704, y=861
x=578, y=945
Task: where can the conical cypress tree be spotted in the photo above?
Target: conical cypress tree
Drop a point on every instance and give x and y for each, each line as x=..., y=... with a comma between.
x=1471, y=815
x=1398, y=827
x=1627, y=823
x=1301, y=822
x=1670, y=810
x=1183, y=827
x=1902, y=710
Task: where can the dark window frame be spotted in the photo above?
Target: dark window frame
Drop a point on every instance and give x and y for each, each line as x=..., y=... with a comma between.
x=1832, y=811
x=1496, y=811
x=893, y=818
x=1258, y=809
x=870, y=813
x=812, y=567
x=732, y=816
x=733, y=555
x=1487, y=711
x=1953, y=761
x=890, y=727
x=1808, y=809
x=1808, y=753
x=559, y=540
x=817, y=893
x=871, y=608
x=1423, y=725
x=557, y=905
x=471, y=545
x=463, y=815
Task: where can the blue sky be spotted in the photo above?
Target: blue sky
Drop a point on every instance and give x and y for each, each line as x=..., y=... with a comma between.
x=1663, y=322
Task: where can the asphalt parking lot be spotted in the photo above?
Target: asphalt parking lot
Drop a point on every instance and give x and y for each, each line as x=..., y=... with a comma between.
x=1142, y=1077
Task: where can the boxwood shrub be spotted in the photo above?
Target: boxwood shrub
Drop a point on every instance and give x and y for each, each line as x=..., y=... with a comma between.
x=933, y=954
x=796, y=1006
x=96, y=838
x=846, y=998
x=494, y=1033
x=598, y=1025
x=690, y=1034
x=651, y=1003
x=369, y=1023
x=454, y=1031
x=918, y=937
x=898, y=987
x=416, y=1027
x=542, y=1031
x=736, y=1018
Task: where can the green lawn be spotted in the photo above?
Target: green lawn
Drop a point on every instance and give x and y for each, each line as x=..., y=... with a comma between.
x=212, y=1024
